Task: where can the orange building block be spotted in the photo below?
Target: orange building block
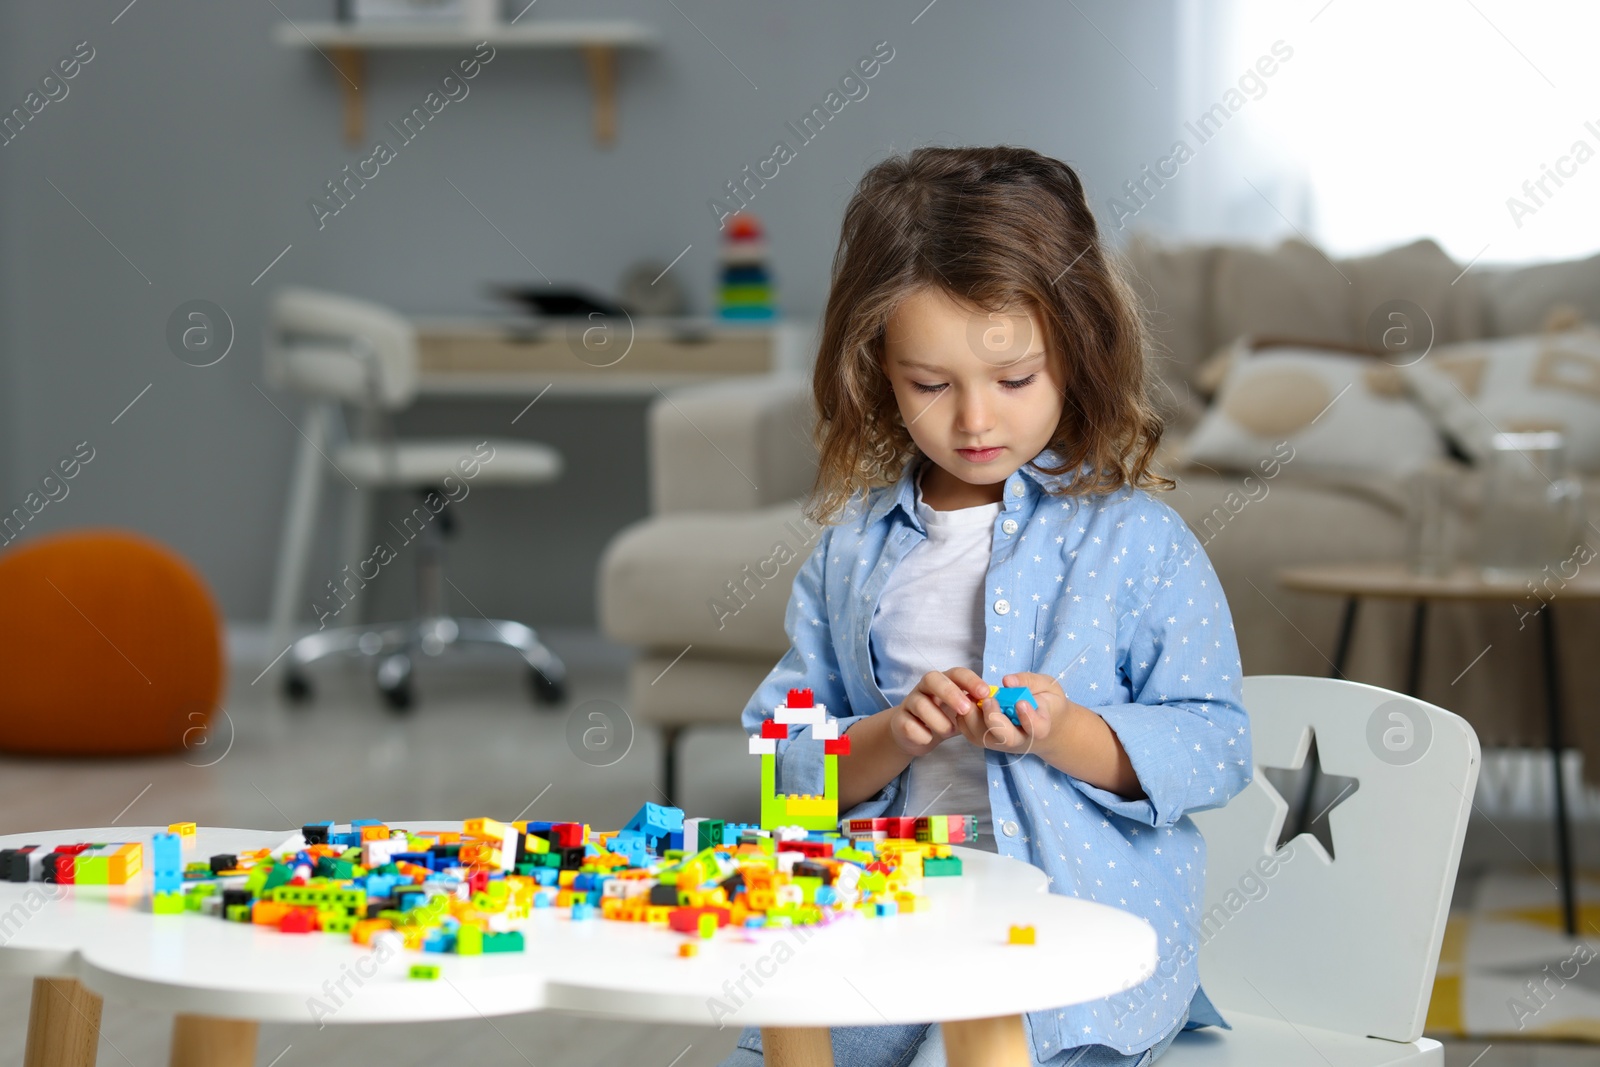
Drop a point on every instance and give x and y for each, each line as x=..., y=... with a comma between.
x=268, y=912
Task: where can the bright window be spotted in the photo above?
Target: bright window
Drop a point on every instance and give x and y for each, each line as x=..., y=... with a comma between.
x=1423, y=119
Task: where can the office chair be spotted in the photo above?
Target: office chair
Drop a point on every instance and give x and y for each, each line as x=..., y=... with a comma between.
x=340, y=352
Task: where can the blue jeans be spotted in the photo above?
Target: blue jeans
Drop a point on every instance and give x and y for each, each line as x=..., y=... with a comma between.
x=898, y=1046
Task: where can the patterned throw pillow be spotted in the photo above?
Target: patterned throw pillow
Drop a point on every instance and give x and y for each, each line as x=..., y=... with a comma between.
x=1547, y=381
x=1338, y=411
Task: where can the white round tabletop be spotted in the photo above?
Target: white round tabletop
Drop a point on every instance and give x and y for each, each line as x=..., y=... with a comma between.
x=950, y=962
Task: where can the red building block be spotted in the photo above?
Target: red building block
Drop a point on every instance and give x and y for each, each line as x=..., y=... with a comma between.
x=838, y=747
x=776, y=730
x=298, y=921
x=687, y=920
x=801, y=698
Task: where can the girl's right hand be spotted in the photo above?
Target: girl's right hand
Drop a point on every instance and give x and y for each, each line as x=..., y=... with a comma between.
x=931, y=710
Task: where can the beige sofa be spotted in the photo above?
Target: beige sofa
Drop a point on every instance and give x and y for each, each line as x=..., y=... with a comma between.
x=698, y=589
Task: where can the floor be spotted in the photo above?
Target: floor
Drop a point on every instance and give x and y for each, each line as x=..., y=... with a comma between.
x=476, y=745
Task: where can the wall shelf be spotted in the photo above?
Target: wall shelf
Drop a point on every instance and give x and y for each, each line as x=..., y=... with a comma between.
x=347, y=45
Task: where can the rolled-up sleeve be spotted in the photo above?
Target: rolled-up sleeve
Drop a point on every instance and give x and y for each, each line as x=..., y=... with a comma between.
x=1185, y=729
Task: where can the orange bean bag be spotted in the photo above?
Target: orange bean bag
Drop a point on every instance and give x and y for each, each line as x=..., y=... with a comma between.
x=110, y=645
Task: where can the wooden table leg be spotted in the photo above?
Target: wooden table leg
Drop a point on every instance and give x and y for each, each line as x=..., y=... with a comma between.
x=202, y=1041
x=63, y=1024
x=997, y=1042
x=797, y=1046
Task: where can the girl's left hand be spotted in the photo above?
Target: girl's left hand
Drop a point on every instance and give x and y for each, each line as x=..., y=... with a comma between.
x=989, y=727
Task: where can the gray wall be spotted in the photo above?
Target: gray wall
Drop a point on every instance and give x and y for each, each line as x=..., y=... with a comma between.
x=193, y=143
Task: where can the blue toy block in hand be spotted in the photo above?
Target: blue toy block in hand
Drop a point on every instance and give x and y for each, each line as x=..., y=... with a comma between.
x=1007, y=697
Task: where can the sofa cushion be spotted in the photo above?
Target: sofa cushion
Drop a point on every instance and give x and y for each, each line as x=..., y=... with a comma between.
x=1534, y=382
x=1289, y=291
x=1518, y=300
x=1422, y=274
x=719, y=581
x=1173, y=286
x=1314, y=409
x=731, y=445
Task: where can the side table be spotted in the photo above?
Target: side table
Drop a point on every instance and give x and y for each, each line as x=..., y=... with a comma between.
x=1393, y=580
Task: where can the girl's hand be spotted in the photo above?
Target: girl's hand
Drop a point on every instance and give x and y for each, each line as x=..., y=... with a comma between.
x=991, y=729
x=932, y=709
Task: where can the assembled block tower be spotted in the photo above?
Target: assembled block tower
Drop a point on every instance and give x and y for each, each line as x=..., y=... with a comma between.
x=800, y=809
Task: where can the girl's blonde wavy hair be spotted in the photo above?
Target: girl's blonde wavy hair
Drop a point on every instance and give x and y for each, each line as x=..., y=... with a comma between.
x=997, y=228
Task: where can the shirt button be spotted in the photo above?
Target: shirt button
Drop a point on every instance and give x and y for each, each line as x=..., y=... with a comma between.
x=1016, y=489
x=1002, y=607
x=1008, y=828
x=1009, y=526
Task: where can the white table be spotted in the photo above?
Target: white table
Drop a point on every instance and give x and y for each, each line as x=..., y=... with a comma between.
x=951, y=963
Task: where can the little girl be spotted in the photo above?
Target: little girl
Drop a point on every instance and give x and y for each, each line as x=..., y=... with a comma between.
x=985, y=445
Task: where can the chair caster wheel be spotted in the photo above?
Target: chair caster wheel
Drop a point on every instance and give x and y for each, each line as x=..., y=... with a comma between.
x=546, y=691
x=296, y=688
x=394, y=682
x=398, y=697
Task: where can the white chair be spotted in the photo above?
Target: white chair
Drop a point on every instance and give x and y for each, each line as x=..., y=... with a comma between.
x=337, y=352
x=1331, y=961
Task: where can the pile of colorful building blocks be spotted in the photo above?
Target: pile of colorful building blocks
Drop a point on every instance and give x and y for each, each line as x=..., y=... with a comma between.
x=464, y=891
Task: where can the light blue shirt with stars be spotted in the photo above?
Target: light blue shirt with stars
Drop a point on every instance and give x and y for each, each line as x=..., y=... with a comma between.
x=1113, y=596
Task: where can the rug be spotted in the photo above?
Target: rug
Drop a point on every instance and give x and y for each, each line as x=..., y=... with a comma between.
x=1507, y=969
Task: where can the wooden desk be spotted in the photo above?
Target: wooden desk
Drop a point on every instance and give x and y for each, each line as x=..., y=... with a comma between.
x=509, y=355
x=1393, y=580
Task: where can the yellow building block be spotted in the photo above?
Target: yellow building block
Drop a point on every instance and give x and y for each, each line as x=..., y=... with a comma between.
x=804, y=806
x=488, y=829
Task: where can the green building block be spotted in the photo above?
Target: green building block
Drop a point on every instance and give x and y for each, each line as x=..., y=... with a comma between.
x=710, y=833
x=240, y=913
x=92, y=870
x=279, y=874
x=507, y=941
x=327, y=867
x=169, y=903
x=775, y=805
x=426, y=971
x=469, y=941
x=933, y=867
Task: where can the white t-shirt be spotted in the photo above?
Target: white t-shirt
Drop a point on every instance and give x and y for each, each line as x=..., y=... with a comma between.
x=930, y=618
